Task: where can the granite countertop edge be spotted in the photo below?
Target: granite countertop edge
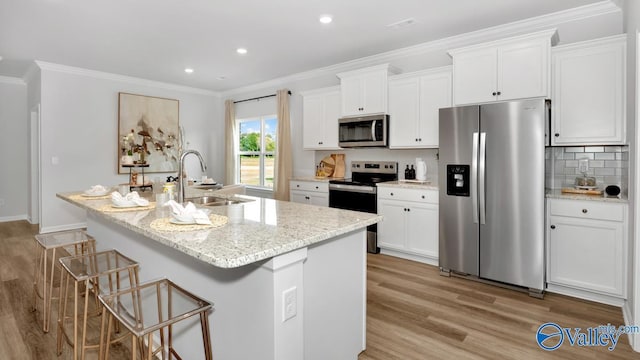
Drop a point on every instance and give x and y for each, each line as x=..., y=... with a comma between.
x=428, y=185
x=228, y=259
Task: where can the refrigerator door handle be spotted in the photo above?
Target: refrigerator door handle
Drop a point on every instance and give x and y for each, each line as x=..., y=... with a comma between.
x=482, y=177
x=474, y=177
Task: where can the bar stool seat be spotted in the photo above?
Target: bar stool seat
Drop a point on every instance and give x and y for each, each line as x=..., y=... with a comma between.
x=153, y=307
x=99, y=272
x=47, y=245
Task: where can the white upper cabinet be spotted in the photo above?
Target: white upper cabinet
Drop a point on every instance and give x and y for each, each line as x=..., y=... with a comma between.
x=414, y=103
x=589, y=92
x=364, y=91
x=507, y=69
x=320, y=113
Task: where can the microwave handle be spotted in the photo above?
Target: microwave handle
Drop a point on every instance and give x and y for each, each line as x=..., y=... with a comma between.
x=373, y=130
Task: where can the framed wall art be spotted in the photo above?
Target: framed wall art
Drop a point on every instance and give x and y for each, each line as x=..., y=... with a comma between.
x=148, y=132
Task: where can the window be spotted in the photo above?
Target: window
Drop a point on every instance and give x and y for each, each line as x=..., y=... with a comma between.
x=257, y=151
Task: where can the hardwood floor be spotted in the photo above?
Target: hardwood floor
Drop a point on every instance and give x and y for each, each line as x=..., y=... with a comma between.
x=412, y=313
x=21, y=336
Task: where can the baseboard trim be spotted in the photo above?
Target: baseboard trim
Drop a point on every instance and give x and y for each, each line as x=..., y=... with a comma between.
x=50, y=229
x=412, y=257
x=586, y=295
x=627, y=314
x=13, y=218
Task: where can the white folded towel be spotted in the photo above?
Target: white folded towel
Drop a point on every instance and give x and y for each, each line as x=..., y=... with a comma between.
x=131, y=199
x=188, y=213
x=97, y=190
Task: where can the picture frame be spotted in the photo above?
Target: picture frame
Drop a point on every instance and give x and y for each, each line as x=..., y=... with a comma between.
x=148, y=133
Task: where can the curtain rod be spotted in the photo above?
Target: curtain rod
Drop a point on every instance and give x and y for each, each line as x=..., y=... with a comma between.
x=259, y=97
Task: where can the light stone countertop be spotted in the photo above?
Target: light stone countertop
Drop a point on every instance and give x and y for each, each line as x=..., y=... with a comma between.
x=558, y=194
x=428, y=185
x=314, y=178
x=265, y=229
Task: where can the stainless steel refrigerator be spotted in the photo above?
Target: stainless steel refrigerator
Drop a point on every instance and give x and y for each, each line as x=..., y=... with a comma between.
x=491, y=176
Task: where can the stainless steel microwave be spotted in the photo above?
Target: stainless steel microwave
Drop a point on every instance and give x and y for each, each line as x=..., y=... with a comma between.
x=363, y=131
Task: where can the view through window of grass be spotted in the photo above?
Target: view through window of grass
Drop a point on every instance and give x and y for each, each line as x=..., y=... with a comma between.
x=257, y=151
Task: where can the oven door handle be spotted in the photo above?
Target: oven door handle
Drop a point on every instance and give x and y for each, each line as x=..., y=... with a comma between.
x=353, y=188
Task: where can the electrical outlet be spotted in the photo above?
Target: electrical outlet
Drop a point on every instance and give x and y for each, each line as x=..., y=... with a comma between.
x=289, y=303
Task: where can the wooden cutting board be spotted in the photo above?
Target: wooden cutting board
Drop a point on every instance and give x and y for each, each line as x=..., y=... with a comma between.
x=328, y=164
x=582, y=191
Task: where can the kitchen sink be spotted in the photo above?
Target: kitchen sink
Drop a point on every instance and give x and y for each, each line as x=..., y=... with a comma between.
x=214, y=201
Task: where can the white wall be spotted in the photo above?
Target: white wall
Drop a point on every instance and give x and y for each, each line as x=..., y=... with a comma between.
x=13, y=149
x=79, y=122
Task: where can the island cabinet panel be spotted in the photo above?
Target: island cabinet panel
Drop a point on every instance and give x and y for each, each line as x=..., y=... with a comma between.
x=414, y=103
x=364, y=91
x=589, y=92
x=507, y=69
x=587, y=249
x=409, y=228
x=309, y=192
x=320, y=113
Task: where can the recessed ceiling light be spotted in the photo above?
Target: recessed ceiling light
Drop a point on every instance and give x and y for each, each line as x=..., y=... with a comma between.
x=326, y=19
x=188, y=70
x=241, y=51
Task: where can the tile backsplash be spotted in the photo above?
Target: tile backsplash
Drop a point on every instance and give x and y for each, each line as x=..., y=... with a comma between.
x=608, y=164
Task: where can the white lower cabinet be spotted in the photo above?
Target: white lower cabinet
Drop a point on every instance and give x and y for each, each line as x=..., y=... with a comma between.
x=409, y=228
x=309, y=192
x=587, y=249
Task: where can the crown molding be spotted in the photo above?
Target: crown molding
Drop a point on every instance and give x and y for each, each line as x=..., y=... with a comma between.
x=123, y=78
x=515, y=28
x=12, y=80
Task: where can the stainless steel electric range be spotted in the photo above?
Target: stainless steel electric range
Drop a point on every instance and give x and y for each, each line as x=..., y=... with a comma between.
x=360, y=192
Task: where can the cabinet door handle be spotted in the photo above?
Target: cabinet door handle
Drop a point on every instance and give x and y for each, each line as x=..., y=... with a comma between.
x=391, y=194
x=316, y=187
x=423, y=196
x=298, y=185
x=416, y=139
x=499, y=93
x=556, y=135
x=584, y=211
x=493, y=93
x=553, y=227
x=408, y=209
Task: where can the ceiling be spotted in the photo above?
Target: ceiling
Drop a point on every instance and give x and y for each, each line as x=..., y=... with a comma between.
x=158, y=39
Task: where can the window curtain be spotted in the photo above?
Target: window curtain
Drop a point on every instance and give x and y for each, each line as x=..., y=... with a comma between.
x=284, y=162
x=231, y=140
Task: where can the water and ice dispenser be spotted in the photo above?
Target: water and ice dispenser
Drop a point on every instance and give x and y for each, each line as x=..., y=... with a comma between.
x=458, y=180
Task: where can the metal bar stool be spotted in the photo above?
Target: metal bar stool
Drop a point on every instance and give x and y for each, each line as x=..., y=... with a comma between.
x=90, y=271
x=150, y=307
x=47, y=244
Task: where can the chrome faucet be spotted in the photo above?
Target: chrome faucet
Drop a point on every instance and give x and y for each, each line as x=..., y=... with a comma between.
x=180, y=169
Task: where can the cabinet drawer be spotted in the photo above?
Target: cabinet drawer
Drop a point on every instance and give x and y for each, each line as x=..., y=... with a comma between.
x=309, y=186
x=418, y=195
x=587, y=210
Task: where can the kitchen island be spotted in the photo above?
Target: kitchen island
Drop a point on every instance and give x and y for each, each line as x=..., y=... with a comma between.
x=288, y=280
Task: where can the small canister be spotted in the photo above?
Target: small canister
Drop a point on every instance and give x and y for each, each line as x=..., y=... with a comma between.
x=170, y=189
